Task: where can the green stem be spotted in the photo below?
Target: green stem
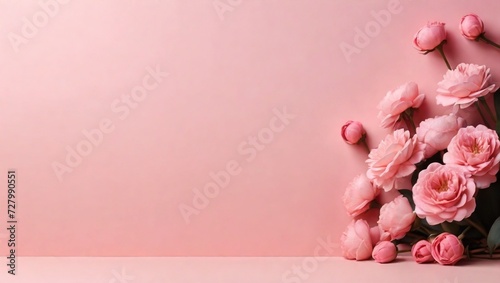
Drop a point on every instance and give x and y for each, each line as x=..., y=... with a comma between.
x=426, y=230
x=488, y=109
x=441, y=51
x=482, y=115
x=478, y=227
x=462, y=235
x=490, y=42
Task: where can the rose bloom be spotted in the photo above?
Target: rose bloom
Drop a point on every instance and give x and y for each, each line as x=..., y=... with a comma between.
x=394, y=158
x=352, y=132
x=429, y=37
x=476, y=149
x=355, y=242
x=358, y=195
x=447, y=249
x=396, y=218
x=444, y=193
x=464, y=85
x=436, y=133
x=421, y=252
x=398, y=101
x=471, y=26
x=384, y=252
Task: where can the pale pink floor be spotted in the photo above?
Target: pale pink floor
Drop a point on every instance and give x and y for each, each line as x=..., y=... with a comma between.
x=241, y=270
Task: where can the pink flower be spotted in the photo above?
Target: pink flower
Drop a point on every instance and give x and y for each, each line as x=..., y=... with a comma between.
x=421, y=252
x=355, y=242
x=353, y=132
x=394, y=159
x=375, y=234
x=396, y=218
x=444, y=193
x=464, y=85
x=384, y=252
x=398, y=101
x=478, y=151
x=471, y=26
x=429, y=37
x=447, y=249
x=436, y=133
x=358, y=195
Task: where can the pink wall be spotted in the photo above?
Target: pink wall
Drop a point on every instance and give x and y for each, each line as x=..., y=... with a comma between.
x=255, y=94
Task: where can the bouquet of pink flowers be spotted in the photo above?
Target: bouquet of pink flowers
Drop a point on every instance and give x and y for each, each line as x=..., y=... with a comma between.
x=442, y=173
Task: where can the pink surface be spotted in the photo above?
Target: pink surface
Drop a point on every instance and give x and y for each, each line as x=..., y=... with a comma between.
x=231, y=75
x=244, y=270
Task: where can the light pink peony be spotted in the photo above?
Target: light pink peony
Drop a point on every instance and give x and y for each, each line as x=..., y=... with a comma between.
x=421, y=252
x=396, y=218
x=464, y=85
x=429, y=37
x=476, y=149
x=447, y=249
x=436, y=133
x=355, y=242
x=394, y=159
x=444, y=193
x=398, y=101
x=471, y=26
x=384, y=252
x=353, y=132
x=358, y=195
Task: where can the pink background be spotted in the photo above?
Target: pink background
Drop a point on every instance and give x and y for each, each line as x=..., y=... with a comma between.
x=226, y=75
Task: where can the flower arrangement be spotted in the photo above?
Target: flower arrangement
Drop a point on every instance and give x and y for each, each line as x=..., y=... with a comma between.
x=442, y=172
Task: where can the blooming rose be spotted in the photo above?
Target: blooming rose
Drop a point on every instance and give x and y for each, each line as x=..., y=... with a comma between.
x=444, y=193
x=384, y=252
x=398, y=101
x=358, y=195
x=436, y=133
x=355, y=242
x=352, y=132
x=447, y=249
x=421, y=252
x=394, y=159
x=476, y=149
x=429, y=37
x=396, y=218
x=464, y=85
x=471, y=26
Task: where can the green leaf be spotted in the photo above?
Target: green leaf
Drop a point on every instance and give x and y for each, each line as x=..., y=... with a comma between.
x=496, y=100
x=494, y=236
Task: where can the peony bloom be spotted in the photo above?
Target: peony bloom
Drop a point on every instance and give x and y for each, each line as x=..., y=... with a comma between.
x=444, y=193
x=429, y=37
x=355, y=242
x=398, y=101
x=396, y=218
x=384, y=252
x=436, y=133
x=394, y=159
x=477, y=150
x=471, y=26
x=447, y=249
x=353, y=132
x=421, y=252
x=358, y=195
x=464, y=85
